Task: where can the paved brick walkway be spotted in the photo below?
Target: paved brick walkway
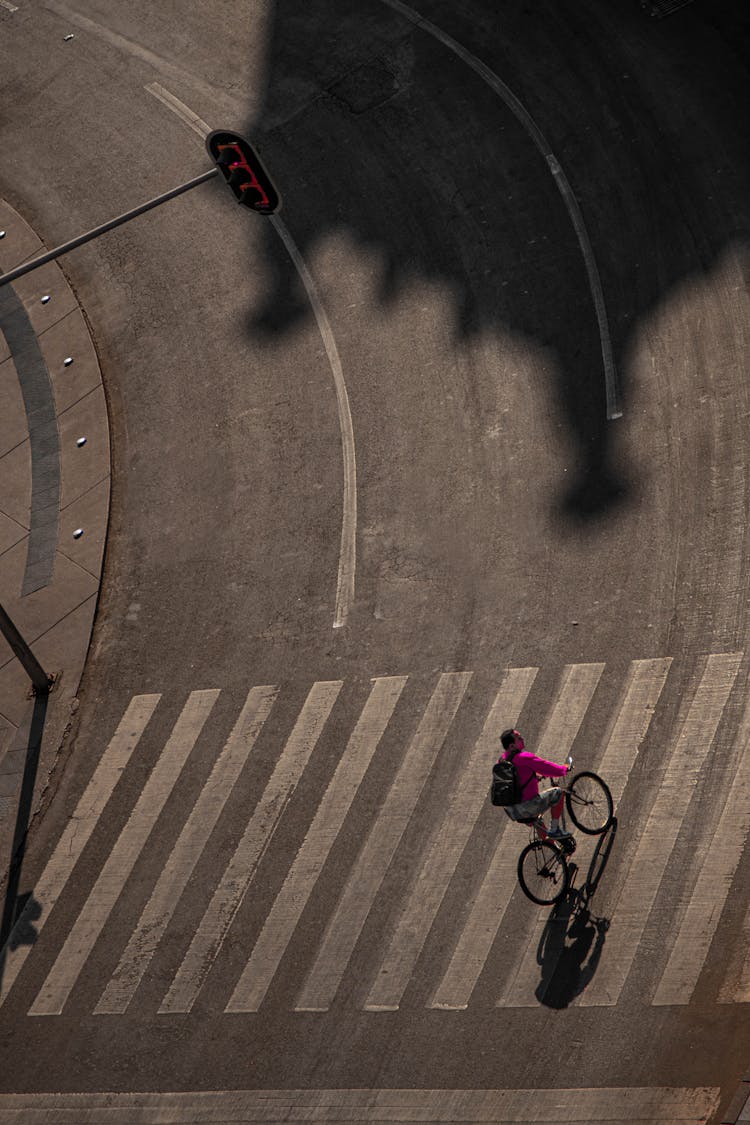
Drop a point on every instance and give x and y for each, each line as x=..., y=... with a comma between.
x=54, y=480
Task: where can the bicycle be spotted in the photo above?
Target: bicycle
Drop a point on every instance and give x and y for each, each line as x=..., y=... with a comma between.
x=543, y=869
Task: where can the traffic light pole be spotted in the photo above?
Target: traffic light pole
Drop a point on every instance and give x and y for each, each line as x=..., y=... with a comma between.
x=39, y=678
x=87, y=237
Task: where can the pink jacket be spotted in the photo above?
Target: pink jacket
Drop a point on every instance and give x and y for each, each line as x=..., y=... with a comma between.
x=528, y=766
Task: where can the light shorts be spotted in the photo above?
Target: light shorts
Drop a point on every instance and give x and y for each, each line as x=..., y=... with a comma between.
x=528, y=810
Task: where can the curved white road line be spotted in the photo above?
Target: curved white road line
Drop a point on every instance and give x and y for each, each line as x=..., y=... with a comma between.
x=137, y=51
x=347, y=554
x=614, y=409
x=348, y=551
x=184, y=112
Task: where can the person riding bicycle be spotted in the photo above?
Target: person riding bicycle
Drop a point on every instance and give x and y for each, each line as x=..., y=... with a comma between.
x=529, y=769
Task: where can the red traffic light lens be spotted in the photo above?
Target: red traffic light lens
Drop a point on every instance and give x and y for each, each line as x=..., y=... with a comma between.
x=242, y=169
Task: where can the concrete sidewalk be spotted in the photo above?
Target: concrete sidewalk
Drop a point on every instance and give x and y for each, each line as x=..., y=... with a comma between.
x=54, y=483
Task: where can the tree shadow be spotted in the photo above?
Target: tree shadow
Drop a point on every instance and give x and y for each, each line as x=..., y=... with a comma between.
x=374, y=128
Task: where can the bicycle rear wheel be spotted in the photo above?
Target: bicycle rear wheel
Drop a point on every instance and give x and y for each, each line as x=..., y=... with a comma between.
x=589, y=803
x=543, y=873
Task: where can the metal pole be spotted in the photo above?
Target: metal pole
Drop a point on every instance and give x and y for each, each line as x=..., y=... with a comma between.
x=87, y=237
x=39, y=678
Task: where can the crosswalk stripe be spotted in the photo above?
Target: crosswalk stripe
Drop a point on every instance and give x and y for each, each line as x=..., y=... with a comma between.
x=478, y=935
x=299, y=883
x=522, y=988
x=187, y=851
x=646, y=678
x=654, y=848
x=579, y=682
x=448, y=841
x=241, y=869
x=76, y=835
x=701, y=918
x=66, y=969
x=643, y=687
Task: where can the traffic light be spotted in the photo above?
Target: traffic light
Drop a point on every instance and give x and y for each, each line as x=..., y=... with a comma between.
x=239, y=164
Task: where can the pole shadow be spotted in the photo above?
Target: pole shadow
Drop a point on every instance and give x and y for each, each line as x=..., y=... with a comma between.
x=572, y=942
x=20, y=911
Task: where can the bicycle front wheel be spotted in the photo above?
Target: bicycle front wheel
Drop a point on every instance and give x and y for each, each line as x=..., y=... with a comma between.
x=589, y=803
x=543, y=873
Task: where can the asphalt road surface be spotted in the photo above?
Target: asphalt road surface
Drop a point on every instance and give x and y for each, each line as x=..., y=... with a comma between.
x=458, y=441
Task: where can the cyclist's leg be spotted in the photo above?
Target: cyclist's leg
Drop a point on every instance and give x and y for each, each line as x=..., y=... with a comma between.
x=554, y=800
x=556, y=810
x=532, y=810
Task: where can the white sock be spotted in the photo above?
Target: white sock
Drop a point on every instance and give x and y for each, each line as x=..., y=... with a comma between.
x=555, y=823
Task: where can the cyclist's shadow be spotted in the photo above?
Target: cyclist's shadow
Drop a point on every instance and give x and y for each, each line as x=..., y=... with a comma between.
x=572, y=942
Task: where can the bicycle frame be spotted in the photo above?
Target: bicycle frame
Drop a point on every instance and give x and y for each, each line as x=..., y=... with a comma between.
x=538, y=831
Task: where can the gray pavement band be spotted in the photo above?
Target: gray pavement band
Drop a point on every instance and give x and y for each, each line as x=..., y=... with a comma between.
x=639, y=1105
x=44, y=440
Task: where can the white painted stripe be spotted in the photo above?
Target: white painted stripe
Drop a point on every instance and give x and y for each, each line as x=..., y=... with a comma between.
x=192, y=120
x=712, y=886
x=484, y=921
x=347, y=553
x=642, y=690
x=520, y=990
x=76, y=835
x=303, y=875
x=614, y=408
x=647, y=866
x=657, y=1105
x=241, y=869
x=579, y=682
x=71, y=959
x=446, y=846
x=129, y=47
x=186, y=852
x=7, y=5
x=540, y=955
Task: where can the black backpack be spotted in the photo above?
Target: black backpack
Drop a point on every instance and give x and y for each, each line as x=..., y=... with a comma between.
x=505, y=789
